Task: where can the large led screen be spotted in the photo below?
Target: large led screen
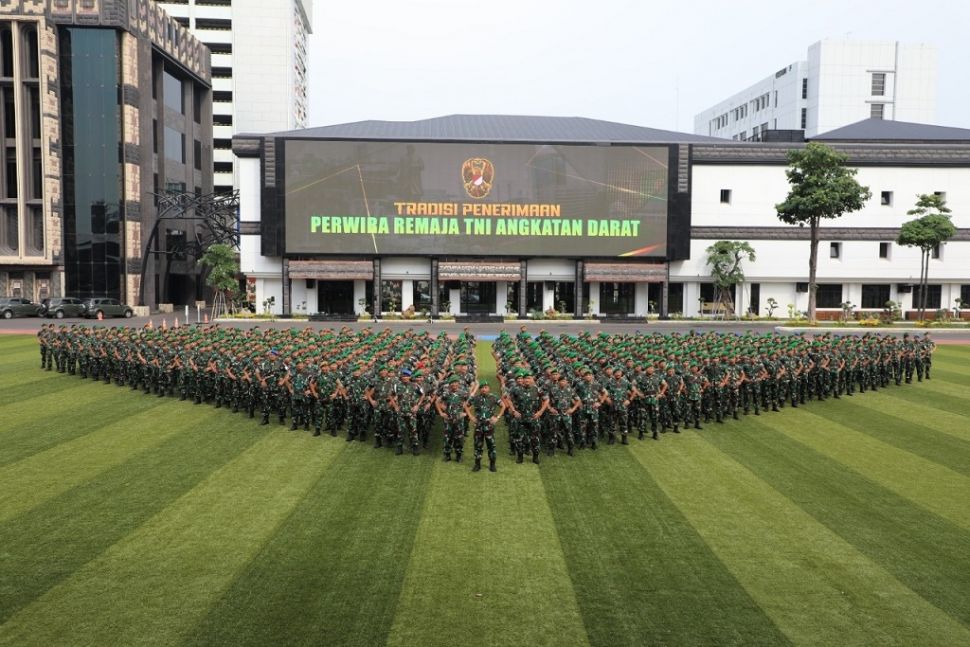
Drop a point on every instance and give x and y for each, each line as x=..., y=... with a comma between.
x=475, y=199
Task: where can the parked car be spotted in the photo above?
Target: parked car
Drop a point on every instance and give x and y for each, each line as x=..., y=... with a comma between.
x=11, y=307
x=60, y=307
x=106, y=307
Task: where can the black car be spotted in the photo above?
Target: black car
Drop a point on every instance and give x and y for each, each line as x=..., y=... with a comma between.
x=106, y=308
x=60, y=307
x=11, y=307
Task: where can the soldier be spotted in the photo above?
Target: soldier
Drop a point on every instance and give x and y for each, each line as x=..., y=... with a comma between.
x=671, y=402
x=563, y=403
x=592, y=395
x=696, y=383
x=451, y=408
x=527, y=404
x=297, y=384
x=621, y=393
x=486, y=409
x=405, y=399
x=266, y=376
x=653, y=389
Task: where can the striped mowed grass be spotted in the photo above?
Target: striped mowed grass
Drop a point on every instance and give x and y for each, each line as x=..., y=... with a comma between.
x=130, y=520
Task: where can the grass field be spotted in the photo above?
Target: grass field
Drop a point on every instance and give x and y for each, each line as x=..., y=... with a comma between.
x=129, y=520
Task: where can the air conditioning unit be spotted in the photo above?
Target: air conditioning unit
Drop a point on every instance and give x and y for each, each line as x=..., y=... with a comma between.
x=904, y=288
x=801, y=287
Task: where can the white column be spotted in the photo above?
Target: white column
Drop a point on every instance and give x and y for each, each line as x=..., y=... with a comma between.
x=311, y=300
x=455, y=297
x=594, y=297
x=640, y=300
x=501, y=297
x=548, y=297
x=407, y=294
x=360, y=292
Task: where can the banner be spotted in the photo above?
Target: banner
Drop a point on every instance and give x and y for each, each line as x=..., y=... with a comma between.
x=475, y=199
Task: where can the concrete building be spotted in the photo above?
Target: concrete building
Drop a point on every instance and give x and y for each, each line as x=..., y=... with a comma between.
x=838, y=83
x=103, y=103
x=300, y=260
x=259, y=67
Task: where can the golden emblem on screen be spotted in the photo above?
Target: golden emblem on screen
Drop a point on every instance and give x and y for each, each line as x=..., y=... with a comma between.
x=477, y=174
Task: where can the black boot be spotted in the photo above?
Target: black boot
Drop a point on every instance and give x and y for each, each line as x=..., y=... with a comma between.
x=640, y=435
x=265, y=420
x=377, y=442
x=457, y=457
x=491, y=464
x=448, y=457
x=316, y=431
x=478, y=465
x=399, y=450
x=655, y=435
x=612, y=440
x=592, y=444
x=415, y=450
x=624, y=441
x=535, y=457
x=518, y=457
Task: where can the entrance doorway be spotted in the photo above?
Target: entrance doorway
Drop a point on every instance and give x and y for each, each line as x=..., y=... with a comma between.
x=477, y=297
x=335, y=297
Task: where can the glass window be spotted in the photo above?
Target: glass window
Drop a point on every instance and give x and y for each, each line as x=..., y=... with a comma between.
x=9, y=228
x=884, y=250
x=828, y=295
x=6, y=51
x=878, y=84
x=172, y=91
x=197, y=94
x=421, y=295
x=533, y=295
x=725, y=196
x=32, y=58
x=477, y=296
x=9, y=115
x=33, y=98
x=174, y=145
x=391, y=296
x=804, y=118
x=564, y=296
x=35, y=237
x=876, y=111
x=964, y=297
x=804, y=88
x=875, y=296
x=933, y=296
x=835, y=250
x=10, y=187
x=886, y=198
x=197, y=154
x=616, y=298
x=675, y=298
x=36, y=175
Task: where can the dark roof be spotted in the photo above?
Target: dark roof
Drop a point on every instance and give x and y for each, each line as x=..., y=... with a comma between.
x=498, y=128
x=882, y=130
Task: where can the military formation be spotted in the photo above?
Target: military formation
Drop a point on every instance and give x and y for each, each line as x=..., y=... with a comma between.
x=556, y=393
x=574, y=392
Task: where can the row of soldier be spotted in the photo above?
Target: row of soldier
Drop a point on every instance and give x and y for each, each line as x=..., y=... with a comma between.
x=575, y=391
x=391, y=385
x=556, y=393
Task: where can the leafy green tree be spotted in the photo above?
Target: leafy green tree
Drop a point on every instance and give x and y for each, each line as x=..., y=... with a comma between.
x=223, y=269
x=821, y=187
x=725, y=258
x=933, y=227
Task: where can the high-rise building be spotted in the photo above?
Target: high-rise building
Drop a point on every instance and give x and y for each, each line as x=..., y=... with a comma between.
x=839, y=83
x=101, y=104
x=259, y=67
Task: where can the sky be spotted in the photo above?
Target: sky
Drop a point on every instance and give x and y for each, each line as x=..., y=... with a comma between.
x=646, y=63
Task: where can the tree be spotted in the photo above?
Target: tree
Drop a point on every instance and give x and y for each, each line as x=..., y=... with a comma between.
x=933, y=227
x=821, y=187
x=223, y=267
x=724, y=258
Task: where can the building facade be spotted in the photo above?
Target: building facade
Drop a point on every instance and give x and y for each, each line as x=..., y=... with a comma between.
x=839, y=83
x=104, y=102
x=328, y=252
x=259, y=67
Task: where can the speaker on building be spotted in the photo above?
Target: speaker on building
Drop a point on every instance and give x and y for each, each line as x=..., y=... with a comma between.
x=904, y=288
x=801, y=287
x=311, y=284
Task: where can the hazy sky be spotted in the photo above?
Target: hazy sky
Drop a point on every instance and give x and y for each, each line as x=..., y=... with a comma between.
x=647, y=63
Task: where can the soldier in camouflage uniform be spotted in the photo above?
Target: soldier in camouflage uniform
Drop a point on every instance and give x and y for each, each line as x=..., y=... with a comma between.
x=486, y=409
x=451, y=408
x=563, y=403
x=406, y=399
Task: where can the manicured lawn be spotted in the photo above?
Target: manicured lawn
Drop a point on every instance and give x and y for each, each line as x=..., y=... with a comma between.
x=128, y=520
